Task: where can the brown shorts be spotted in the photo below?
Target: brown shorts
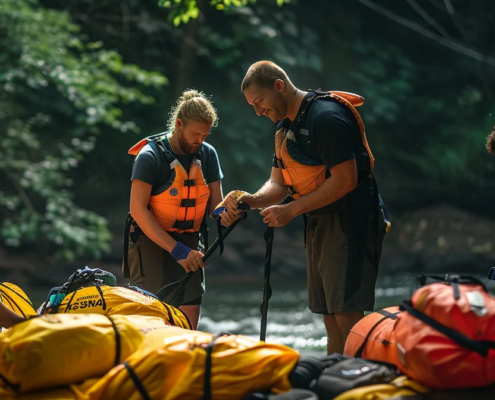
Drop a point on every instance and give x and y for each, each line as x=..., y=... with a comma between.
x=152, y=267
x=343, y=255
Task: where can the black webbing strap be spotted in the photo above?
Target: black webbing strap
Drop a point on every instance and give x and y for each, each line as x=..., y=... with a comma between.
x=67, y=307
x=104, y=303
x=188, y=203
x=137, y=382
x=386, y=315
x=219, y=235
x=208, y=362
x=449, y=279
x=479, y=346
x=117, y=341
x=125, y=261
x=267, y=289
x=15, y=387
x=183, y=225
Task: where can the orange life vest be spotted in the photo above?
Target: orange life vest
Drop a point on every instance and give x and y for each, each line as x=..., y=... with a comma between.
x=181, y=204
x=373, y=337
x=301, y=178
x=446, y=335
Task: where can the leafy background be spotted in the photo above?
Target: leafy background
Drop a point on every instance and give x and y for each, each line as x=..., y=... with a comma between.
x=81, y=81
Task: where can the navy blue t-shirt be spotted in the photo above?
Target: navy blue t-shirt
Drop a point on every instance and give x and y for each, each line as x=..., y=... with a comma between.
x=329, y=135
x=154, y=169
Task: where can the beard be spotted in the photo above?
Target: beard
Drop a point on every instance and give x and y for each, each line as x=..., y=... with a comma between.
x=185, y=146
x=279, y=110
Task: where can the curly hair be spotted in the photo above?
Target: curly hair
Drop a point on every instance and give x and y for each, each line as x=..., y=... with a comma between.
x=193, y=105
x=490, y=142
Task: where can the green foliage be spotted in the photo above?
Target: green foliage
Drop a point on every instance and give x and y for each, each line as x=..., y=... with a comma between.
x=184, y=10
x=57, y=92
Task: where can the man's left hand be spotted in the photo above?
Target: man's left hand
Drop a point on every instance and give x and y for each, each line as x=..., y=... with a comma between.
x=277, y=216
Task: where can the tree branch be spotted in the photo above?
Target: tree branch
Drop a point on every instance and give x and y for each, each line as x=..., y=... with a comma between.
x=421, y=11
x=454, y=45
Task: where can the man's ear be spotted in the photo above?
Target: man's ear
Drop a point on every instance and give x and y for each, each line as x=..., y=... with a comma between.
x=179, y=123
x=279, y=85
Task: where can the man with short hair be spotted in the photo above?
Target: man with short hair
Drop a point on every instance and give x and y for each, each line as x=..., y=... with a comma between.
x=323, y=161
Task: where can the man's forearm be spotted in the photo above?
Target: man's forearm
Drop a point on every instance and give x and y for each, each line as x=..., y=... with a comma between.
x=327, y=193
x=271, y=193
x=151, y=228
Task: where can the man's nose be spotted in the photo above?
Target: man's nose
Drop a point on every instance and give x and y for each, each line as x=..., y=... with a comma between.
x=259, y=110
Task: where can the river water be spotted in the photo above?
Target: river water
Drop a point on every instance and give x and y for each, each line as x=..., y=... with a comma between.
x=234, y=308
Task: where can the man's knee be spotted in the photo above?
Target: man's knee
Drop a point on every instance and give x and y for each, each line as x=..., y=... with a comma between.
x=347, y=319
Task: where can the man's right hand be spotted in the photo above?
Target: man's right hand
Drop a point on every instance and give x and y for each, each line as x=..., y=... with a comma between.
x=193, y=262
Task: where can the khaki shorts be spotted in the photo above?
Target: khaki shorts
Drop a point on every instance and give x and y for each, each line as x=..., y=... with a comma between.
x=152, y=267
x=343, y=262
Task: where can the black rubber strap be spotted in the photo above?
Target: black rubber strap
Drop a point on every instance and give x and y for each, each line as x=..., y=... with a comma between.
x=386, y=315
x=267, y=288
x=67, y=307
x=188, y=203
x=104, y=303
x=127, y=232
x=208, y=362
x=139, y=384
x=13, y=304
x=15, y=387
x=219, y=235
x=18, y=294
x=183, y=225
x=480, y=347
x=117, y=341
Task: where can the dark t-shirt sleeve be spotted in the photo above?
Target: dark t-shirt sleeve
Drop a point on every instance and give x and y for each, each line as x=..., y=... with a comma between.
x=332, y=139
x=212, y=169
x=145, y=166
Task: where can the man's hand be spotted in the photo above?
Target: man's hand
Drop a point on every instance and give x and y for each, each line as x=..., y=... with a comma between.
x=193, y=262
x=277, y=216
x=230, y=212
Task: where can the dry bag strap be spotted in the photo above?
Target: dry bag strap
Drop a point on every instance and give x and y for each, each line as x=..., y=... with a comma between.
x=117, y=341
x=139, y=385
x=15, y=387
x=267, y=288
x=386, y=315
x=452, y=280
x=480, y=347
x=209, y=351
x=127, y=231
x=104, y=303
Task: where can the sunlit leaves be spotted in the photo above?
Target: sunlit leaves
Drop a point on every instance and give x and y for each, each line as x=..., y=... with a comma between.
x=56, y=93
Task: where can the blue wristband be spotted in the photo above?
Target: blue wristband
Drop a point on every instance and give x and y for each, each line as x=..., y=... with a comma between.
x=217, y=212
x=180, y=251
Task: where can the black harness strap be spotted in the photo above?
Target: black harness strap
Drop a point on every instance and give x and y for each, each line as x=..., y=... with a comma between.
x=386, y=315
x=117, y=341
x=137, y=382
x=479, y=346
x=104, y=303
x=208, y=362
x=127, y=232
